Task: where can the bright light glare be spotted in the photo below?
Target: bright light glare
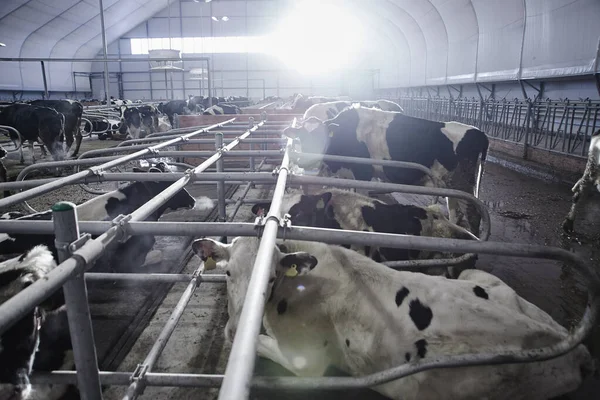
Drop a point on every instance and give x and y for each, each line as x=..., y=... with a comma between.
x=317, y=37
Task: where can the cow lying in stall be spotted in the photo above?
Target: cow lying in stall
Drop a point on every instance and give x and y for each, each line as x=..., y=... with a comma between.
x=341, y=209
x=454, y=152
x=40, y=340
x=585, y=185
x=127, y=256
x=222, y=109
x=331, y=306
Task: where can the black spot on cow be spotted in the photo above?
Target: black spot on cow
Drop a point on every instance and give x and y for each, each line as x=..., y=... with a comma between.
x=420, y=314
x=226, y=272
x=421, y=346
x=420, y=141
x=347, y=343
x=325, y=343
x=344, y=142
x=407, y=357
x=401, y=295
x=480, y=292
x=281, y=306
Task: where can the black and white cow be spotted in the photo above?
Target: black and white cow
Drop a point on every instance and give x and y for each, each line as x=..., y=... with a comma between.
x=454, y=152
x=73, y=111
x=587, y=183
x=342, y=209
x=35, y=124
x=329, y=306
x=127, y=256
x=222, y=108
x=173, y=107
x=18, y=345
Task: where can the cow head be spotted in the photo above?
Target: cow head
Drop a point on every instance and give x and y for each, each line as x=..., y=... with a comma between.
x=20, y=342
x=51, y=128
x=238, y=260
x=304, y=210
x=314, y=136
x=181, y=200
x=133, y=120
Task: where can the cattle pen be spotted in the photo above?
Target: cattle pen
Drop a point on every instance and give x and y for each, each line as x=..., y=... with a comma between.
x=78, y=251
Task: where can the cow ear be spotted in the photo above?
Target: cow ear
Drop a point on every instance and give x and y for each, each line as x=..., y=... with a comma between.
x=211, y=252
x=261, y=209
x=294, y=133
x=300, y=263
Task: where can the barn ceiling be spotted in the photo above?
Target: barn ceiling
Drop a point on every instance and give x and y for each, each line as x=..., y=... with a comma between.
x=452, y=41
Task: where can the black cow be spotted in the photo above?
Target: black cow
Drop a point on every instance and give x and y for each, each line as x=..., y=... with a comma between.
x=73, y=111
x=453, y=151
x=173, y=107
x=195, y=103
x=127, y=256
x=35, y=124
x=3, y=172
x=222, y=108
x=342, y=209
x=19, y=343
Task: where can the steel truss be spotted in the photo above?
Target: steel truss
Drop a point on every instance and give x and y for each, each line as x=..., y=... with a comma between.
x=78, y=252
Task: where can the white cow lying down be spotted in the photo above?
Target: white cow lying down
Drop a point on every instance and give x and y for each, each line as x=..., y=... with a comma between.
x=344, y=309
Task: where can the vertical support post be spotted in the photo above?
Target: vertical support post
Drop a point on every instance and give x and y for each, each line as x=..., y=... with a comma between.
x=45, y=82
x=104, y=52
x=66, y=230
x=150, y=71
x=172, y=88
x=220, y=184
x=209, y=82
x=527, y=128
x=166, y=86
x=250, y=126
x=264, y=90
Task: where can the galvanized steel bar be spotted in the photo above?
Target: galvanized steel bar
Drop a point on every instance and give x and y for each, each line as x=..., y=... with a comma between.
x=104, y=53
x=48, y=187
x=46, y=96
x=220, y=184
x=240, y=364
x=138, y=382
x=153, y=278
x=64, y=216
x=154, y=203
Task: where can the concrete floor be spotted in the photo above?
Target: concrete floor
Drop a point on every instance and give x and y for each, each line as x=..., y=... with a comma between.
x=523, y=210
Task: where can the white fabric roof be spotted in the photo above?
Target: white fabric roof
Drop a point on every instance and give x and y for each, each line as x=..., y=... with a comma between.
x=433, y=41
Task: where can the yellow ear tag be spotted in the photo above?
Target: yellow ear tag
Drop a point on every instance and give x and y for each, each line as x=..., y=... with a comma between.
x=330, y=133
x=292, y=272
x=210, y=263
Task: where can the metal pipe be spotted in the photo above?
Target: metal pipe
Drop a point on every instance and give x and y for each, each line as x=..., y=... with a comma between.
x=220, y=185
x=209, y=82
x=152, y=278
x=153, y=204
x=138, y=382
x=241, y=199
x=240, y=363
x=45, y=82
x=64, y=216
x=104, y=52
x=127, y=143
x=48, y=187
x=107, y=59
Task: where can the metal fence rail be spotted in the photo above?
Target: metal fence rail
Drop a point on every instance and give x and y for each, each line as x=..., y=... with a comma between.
x=237, y=380
x=557, y=125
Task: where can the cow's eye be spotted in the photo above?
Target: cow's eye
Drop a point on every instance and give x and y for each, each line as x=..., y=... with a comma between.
x=227, y=273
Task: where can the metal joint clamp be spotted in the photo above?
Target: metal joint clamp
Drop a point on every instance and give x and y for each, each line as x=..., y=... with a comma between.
x=121, y=223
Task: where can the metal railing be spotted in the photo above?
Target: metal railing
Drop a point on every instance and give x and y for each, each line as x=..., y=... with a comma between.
x=563, y=126
x=237, y=380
